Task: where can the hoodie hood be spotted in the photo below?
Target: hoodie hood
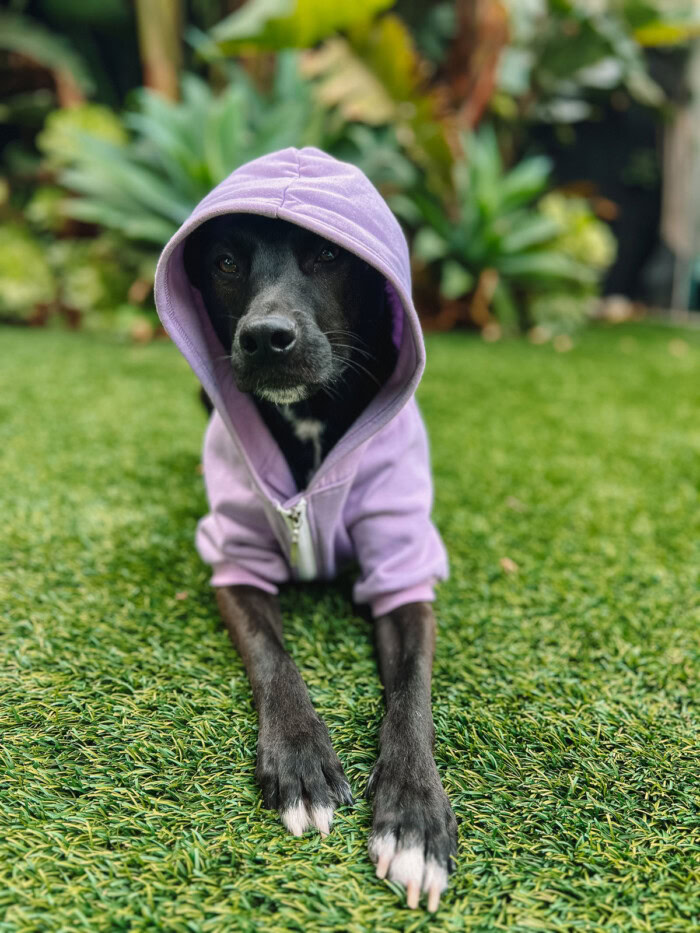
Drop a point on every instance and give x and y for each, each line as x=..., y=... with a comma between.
x=334, y=199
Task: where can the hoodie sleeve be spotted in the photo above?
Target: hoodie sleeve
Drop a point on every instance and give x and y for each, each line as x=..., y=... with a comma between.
x=399, y=550
x=234, y=538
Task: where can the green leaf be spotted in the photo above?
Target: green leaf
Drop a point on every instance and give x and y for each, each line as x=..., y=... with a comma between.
x=344, y=81
x=433, y=213
x=531, y=230
x=525, y=182
x=543, y=267
x=150, y=229
x=135, y=180
x=428, y=245
x=279, y=24
x=405, y=207
x=455, y=280
x=667, y=33
x=224, y=134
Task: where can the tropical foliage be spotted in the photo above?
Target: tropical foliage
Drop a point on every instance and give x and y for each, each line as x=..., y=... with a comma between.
x=495, y=243
x=398, y=88
x=282, y=24
x=144, y=185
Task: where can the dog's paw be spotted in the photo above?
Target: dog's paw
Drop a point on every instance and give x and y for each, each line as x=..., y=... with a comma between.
x=300, y=775
x=414, y=831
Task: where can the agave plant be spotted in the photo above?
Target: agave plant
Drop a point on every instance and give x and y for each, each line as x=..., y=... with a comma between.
x=146, y=186
x=495, y=227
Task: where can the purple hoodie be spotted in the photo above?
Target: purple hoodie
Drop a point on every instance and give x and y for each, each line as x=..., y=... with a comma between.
x=370, y=499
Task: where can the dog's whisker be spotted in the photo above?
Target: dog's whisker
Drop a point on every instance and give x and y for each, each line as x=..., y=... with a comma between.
x=360, y=369
x=349, y=346
x=346, y=333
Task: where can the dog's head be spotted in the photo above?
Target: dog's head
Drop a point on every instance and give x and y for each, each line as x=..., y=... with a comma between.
x=289, y=307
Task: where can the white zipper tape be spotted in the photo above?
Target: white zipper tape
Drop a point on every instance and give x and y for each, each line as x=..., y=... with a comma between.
x=301, y=550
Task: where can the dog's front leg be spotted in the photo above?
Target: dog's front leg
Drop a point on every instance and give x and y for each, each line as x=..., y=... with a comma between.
x=297, y=769
x=414, y=832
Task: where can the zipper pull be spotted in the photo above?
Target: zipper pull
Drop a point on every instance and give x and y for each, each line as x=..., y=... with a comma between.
x=295, y=518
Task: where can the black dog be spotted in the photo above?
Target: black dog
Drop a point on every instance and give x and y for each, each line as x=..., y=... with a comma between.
x=309, y=337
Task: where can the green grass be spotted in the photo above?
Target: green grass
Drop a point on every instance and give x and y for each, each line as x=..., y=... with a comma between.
x=565, y=693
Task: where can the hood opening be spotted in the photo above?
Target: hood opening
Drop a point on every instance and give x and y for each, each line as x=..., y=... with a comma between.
x=315, y=191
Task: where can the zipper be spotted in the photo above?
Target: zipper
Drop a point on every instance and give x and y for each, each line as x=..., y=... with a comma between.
x=301, y=549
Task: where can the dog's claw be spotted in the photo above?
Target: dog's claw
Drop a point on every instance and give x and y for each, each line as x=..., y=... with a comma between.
x=433, y=898
x=383, y=866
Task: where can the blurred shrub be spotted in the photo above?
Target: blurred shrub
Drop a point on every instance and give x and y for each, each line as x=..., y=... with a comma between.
x=79, y=280
x=26, y=278
x=62, y=137
x=496, y=249
x=44, y=210
x=564, y=54
x=95, y=272
x=582, y=236
x=585, y=239
x=373, y=74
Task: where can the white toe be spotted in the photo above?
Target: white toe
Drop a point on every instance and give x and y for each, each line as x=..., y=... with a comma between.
x=407, y=866
x=435, y=876
x=382, y=847
x=295, y=818
x=322, y=817
x=381, y=851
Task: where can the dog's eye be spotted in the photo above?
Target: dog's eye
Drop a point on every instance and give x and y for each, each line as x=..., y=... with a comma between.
x=328, y=254
x=226, y=264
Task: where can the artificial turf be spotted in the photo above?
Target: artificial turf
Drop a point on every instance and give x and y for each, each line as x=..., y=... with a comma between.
x=565, y=691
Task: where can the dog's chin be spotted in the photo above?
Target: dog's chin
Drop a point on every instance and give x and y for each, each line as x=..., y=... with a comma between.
x=282, y=386
x=284, y=396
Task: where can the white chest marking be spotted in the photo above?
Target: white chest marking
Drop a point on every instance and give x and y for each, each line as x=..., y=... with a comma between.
x=307, y=430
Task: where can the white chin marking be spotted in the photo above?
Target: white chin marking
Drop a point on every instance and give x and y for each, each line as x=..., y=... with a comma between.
x=407, y=866
x=282, y=396
x=295, y=818
x=322, y=817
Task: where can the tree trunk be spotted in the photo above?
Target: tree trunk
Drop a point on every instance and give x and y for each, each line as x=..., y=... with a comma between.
x=160, y=28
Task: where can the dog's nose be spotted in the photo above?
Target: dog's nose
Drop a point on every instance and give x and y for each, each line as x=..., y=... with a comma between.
x=269, y=337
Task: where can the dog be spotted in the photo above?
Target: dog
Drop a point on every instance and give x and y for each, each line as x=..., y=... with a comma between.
x=308, y=331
